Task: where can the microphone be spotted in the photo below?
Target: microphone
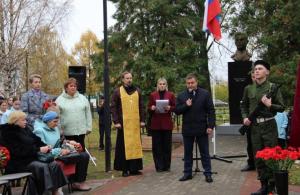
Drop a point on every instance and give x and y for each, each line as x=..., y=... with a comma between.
x=191, y=93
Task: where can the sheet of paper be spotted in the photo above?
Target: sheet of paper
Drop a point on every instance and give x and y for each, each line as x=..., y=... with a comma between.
x=160, y=105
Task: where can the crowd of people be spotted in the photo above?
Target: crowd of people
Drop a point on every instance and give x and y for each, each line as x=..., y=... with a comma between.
x=128, y=115
x=28, y=129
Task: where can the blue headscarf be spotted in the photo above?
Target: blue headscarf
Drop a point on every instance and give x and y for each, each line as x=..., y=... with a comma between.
x=49, y=116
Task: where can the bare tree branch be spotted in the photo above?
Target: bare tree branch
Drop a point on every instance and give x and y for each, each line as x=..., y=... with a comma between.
x=19, y=21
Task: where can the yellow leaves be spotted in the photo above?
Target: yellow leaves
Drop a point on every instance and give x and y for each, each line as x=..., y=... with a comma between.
x=47, y=57
x=86, y=47
x=82, y=53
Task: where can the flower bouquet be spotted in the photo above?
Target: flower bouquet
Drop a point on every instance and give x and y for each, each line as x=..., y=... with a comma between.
x=48, y=104
x=278, y=159
x=4, y=156
x=72, y=146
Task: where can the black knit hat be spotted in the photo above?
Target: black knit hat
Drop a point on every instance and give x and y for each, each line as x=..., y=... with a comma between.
x=263, y=63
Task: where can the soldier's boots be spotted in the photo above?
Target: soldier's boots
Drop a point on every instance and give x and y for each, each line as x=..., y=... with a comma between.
x=271, y=187
x=263, y=190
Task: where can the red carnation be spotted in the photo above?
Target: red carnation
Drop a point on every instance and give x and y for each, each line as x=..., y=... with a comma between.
x=4, y=156
x=277, y=158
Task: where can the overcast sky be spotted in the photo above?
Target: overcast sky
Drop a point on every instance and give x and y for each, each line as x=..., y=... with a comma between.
x=85, y=15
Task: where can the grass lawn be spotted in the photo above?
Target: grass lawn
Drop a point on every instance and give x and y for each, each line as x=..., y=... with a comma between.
x=92, y=143
x=294, y=175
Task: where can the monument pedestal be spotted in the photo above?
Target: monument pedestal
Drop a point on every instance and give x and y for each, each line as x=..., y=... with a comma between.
x=238, y=78
x=228, y=129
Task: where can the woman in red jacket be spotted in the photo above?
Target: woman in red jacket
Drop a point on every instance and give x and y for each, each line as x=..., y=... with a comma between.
x=160, y=106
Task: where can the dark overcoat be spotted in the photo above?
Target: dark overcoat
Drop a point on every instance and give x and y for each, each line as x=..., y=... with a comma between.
x=198, y=117
x=23, y=146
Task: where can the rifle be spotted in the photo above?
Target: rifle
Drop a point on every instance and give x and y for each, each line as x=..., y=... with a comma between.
x=252, y=116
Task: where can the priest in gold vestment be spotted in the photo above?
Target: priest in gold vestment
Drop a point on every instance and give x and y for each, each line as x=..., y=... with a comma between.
x=128, y=117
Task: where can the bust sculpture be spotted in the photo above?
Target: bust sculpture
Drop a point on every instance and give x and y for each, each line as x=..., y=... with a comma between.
x=241, y=41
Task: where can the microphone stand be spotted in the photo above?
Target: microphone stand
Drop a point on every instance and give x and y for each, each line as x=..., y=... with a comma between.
x=197, y=158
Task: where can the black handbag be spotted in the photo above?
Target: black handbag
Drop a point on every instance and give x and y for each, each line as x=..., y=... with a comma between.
x=45, y=157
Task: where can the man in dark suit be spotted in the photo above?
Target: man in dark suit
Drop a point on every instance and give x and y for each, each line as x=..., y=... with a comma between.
x=196, y=106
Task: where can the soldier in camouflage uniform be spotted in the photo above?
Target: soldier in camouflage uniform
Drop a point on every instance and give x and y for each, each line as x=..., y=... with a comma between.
x=263, y=129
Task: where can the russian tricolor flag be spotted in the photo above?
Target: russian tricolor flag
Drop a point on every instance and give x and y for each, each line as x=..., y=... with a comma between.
x=211, y=20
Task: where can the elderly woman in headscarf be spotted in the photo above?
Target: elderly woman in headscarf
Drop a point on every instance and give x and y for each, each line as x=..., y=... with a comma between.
x=24, y=147
x=49, y=133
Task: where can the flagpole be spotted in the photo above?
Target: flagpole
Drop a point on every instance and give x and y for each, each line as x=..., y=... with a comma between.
x=204, y=25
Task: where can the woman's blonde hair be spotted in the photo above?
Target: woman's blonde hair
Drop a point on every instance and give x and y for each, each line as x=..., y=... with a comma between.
x=162, y=79
x=15, y=116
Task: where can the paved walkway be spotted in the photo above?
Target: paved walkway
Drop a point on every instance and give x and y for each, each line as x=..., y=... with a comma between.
x=228, y=180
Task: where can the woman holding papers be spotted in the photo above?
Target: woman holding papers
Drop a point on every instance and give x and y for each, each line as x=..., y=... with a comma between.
x=161, y=104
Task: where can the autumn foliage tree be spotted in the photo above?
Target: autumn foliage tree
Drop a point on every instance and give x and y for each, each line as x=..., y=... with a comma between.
x=47, y=57
x=82, y=53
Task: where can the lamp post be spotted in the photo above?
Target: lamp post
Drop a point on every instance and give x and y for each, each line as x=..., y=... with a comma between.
x=107, y=118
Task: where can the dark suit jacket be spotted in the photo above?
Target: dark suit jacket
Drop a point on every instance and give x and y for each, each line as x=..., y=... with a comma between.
x=198, y=117
x=161, y=121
